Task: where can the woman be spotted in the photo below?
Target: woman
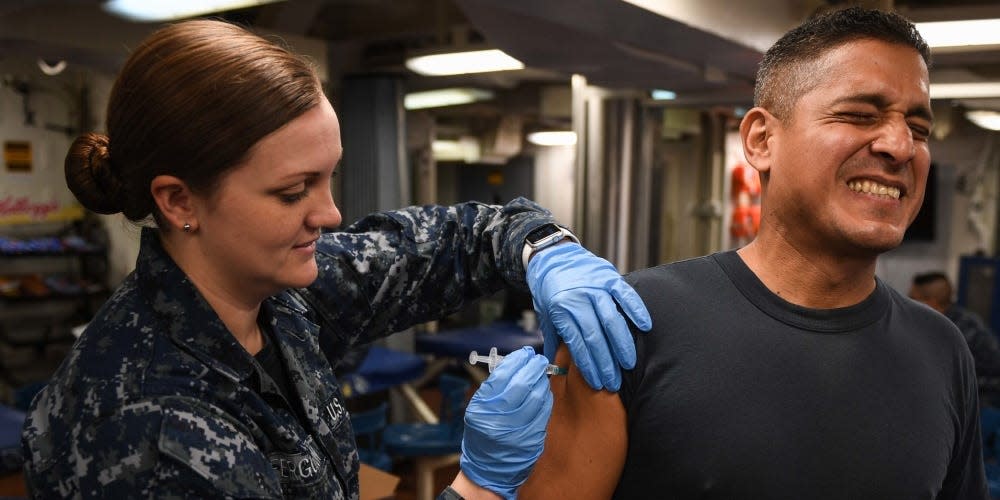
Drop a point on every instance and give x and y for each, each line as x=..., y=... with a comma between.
x=209, y=372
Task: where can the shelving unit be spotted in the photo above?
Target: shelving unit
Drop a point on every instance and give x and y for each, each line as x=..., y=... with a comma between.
x=52, y=279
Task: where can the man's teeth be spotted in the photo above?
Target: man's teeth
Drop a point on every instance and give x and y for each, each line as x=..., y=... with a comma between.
x=874, y=188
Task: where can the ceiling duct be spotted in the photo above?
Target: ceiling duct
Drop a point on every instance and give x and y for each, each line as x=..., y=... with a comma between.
x=616, y=44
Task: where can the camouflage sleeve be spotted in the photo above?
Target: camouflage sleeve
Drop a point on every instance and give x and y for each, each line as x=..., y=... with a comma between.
x=391, y=270
x=156, y=449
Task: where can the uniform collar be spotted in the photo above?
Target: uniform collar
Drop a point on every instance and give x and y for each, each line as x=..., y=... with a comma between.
x=190, y=321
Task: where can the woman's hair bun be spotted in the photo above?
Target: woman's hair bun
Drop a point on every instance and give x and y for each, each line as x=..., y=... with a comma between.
x=90, y=176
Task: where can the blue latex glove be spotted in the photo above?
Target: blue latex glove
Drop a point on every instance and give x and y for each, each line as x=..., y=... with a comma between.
x=505, y=423
x=574, y=292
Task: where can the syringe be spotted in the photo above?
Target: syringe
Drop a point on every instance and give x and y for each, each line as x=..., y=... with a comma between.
x=494, y=359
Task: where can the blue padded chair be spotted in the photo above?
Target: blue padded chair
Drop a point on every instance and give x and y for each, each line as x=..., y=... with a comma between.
x=993, y=479
x=11, y=457
x=368, y=427
x=989, y=423
x=381, y=369
x=432, y=445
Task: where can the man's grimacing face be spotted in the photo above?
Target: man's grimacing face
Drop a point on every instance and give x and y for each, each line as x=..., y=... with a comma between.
x=849, y=164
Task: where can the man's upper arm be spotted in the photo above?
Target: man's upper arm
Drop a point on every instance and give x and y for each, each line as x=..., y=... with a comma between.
x=585, y=444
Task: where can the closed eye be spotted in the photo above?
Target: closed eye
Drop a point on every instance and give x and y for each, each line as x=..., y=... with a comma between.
x=919, y=131
x=858, y=117
x=292, y=198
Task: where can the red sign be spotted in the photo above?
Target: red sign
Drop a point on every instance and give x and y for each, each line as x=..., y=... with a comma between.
x=24, y=206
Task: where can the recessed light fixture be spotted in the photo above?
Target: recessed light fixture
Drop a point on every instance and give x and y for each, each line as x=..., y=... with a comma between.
x=961, y=33
x=460, y=63
x=663, y=95
x=51, y=68
x=969, y=90
x=989, y=120
x=553, y=138
x=444, y=97
x=157, y=10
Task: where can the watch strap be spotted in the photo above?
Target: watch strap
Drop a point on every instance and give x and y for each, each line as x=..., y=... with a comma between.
x=449, y=493
x=530, y=247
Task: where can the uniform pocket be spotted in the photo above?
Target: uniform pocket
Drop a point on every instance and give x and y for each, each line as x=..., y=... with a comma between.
x=215, y=449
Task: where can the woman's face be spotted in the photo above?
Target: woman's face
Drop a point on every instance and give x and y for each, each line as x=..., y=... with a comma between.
x=257, y=231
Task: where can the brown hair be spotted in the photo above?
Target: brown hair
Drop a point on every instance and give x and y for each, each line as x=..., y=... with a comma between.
x=190, y=102
x=787, y=70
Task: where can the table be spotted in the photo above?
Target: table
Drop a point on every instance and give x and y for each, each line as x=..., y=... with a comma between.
x=389, y=369
x=381, y=369
x=506, y=336
x=457, y=343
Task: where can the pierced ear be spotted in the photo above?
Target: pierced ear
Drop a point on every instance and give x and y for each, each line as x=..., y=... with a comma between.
x=174, y=199
x=756, y=131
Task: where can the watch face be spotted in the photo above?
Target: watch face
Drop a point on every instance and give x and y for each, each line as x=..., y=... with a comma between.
x=542, y=232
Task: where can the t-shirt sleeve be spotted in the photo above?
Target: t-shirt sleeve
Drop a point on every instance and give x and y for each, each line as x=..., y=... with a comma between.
x=966, y=478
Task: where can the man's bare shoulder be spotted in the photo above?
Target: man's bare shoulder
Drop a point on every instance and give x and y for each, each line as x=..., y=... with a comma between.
x=585, y=443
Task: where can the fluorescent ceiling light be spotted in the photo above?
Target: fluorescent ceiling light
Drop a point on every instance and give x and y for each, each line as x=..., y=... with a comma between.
x=444, y=97
x=961, y=33
x=553, y=138
x=161, y=10
x=989, y=120
x=464, y=149
x=460, y=63
x=969, y=90
x=663, y=95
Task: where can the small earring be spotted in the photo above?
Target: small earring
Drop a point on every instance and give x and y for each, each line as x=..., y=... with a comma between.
x=187, y=227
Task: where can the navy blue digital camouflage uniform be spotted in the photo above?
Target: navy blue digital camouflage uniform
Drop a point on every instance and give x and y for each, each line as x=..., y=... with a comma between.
x=982, y=341
x=985, y=351
x=158, y=400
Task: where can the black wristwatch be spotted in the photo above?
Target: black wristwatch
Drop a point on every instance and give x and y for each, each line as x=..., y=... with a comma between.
x=449, y=494
x=544, y=236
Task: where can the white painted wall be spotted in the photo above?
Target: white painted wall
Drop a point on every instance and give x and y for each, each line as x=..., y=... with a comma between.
x=47, y=99
x=555, y=180
x=966, y=152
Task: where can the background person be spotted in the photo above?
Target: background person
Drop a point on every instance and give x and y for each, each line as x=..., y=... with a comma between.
x=934, y=289
x=209, y=372
x=786, y=369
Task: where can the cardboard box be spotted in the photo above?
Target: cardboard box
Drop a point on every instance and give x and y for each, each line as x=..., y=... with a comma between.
x=376, y=484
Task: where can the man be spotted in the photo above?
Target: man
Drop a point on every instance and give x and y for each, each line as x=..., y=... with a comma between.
x=787, y=369
x=934, y=289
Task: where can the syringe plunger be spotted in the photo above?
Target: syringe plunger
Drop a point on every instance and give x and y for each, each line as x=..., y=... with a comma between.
x=491, y=361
